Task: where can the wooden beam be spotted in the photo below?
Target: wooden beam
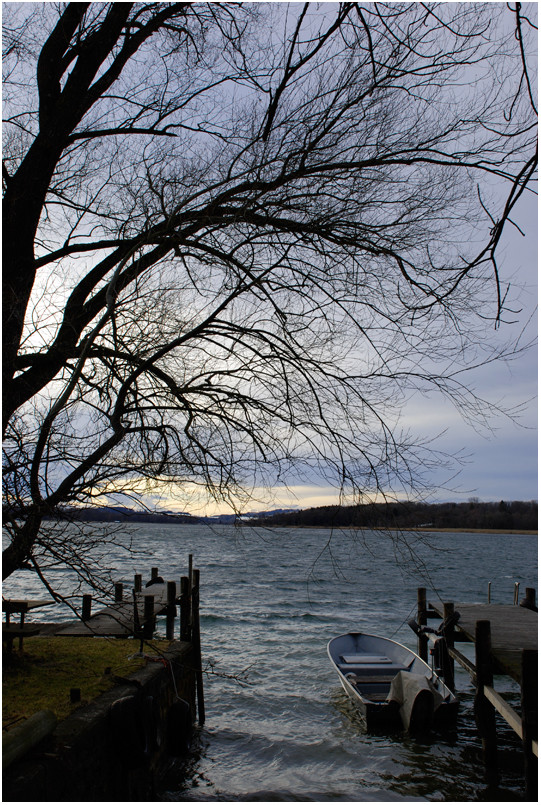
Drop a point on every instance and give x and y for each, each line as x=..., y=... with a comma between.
x=464, y=662
x=507, y=712
x=504, y=709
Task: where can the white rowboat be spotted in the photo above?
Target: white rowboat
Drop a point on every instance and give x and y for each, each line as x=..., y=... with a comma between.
x=390, y=683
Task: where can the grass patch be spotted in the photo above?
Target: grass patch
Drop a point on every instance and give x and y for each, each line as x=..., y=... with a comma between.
x=41, y=675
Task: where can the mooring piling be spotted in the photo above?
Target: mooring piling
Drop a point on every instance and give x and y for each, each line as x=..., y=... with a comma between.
x=528, y=701
x=148, y=616
x=422, y=639
x=87, y=607
x=171, y=609
x=185, y=609
x=196, y=640
x=529, y=599
x=485, y=713
x=448, y=666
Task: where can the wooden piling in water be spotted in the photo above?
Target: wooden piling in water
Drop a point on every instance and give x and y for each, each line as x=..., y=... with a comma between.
x=449, y=642
x=138, y=582
x=119, y=591
x=485, y=714
x=196, y=640
x=529, y=599
x=87, y=607
x=422, y=640
x=528, y=700
x=190, y=585
x=185, y=609
x=137, y=631
x=148, y=616
x=171, y=610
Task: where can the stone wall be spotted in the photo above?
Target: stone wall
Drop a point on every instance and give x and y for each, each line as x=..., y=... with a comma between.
x=114, y=747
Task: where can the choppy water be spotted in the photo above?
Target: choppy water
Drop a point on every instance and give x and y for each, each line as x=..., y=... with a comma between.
x=270, y=601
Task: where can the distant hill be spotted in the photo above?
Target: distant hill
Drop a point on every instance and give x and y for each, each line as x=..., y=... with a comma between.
x=112, y=514
x=507, y=516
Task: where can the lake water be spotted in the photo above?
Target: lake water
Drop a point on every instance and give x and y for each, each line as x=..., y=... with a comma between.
x=270, y=602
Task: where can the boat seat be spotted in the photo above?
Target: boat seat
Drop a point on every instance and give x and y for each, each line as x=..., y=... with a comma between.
x=375, y=697
x=378, y=679
x=365, y=659
x=371, y=670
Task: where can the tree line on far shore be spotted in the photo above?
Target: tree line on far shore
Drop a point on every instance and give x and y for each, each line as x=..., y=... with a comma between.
x=505, y=515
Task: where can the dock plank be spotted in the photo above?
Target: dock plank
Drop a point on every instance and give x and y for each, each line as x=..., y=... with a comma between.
x=513, y=628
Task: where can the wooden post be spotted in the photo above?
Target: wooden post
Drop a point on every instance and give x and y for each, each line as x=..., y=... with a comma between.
x=196, y=641
x=154, y=573
x=190, y=585
x=148, y=625
x=119, y=591
x=449, y=642
x=528, y=700
x=171, y=610
x=185, y=609
x=529, y=599
x=137, y=631
x=138, y=582
x=422, y=640
x=489, y=590
x=87, y=607
x=22, y=627
x=515, y=597
x=484, y=711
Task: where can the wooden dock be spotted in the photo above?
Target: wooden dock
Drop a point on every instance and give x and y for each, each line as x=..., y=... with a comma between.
x=506, y=643
x=512, y=629
x=125, y=617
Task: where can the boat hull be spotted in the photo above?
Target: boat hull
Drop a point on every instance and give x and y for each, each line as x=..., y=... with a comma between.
x=375, y=714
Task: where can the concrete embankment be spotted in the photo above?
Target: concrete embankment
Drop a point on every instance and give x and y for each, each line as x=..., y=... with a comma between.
x=114, y=747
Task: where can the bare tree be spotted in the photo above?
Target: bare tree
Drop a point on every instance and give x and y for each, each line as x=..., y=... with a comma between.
x=237, y=235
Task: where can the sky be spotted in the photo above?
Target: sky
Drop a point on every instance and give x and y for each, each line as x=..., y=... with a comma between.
x=499, y=460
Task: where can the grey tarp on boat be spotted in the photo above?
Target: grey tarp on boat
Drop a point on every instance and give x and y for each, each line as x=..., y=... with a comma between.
x=417, y=697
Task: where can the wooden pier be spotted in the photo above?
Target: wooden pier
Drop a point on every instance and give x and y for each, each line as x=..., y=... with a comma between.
x=126, y=616
x=506, y=643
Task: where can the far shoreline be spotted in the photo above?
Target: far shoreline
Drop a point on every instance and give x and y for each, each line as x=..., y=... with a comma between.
x=510, y=531
x=474, y=530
